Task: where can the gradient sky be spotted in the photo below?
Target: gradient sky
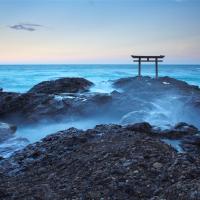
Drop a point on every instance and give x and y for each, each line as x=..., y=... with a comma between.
x=98, y=31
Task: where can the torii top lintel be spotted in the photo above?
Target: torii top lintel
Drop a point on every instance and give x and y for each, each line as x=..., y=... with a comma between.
x=134, y=56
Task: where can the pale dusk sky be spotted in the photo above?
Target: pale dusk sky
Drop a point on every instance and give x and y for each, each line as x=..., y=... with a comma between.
x=98, y=31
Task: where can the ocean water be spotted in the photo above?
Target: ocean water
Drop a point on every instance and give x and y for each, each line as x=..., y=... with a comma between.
x=20, y=78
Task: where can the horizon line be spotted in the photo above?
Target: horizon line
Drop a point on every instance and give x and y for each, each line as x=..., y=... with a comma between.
x=2, y=64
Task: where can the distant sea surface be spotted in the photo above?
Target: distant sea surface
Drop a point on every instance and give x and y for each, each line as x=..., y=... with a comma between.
x=20, y=78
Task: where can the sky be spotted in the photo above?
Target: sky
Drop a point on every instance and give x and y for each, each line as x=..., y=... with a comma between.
x=98, y=31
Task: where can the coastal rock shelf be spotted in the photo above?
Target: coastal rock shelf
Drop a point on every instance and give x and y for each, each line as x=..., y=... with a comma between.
x=162, y=102
x=156, y=159
x=109, y=161
x=165, y=99
x=62, y=85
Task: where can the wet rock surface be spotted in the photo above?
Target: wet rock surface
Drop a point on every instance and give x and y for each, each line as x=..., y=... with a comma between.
x=179, y=131
x=159, y=101
x=109, y=161
x=62, y=85
x=164, y=100
x=33, y=107
x=148, y=82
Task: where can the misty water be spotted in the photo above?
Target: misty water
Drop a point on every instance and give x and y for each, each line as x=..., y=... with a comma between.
x=20, y=78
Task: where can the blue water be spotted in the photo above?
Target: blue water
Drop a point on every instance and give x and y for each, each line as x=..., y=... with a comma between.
x=20, y=78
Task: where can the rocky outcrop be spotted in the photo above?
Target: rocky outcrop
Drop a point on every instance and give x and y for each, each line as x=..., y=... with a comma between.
x=62, y=85
x=134, y=102
x=128, y=161
x=9, y=103
x=20, y=107
x=35, y=105
x=140, y=127
x=109, y=161
x=180, y=130
x=145, y=82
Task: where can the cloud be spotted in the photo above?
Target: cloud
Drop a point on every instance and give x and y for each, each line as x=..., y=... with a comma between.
x=26, y=27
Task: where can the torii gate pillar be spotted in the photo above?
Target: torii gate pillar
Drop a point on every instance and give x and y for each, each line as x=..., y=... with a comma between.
x=141, y=59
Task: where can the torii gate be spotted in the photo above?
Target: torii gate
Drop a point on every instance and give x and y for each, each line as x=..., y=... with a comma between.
x=141, y=59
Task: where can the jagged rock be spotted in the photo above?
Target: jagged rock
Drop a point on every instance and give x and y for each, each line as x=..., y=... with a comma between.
x=140, y=127
x=136, y=99
x=131, y=82
x=101, y=99
x=34, y=107
x=186, y=128
x=9, y=103
x=191, y=144
x=18, y=106
x=181, y=85
x=62, y=85
x=194, y=139
x=154, y=85
x=157, y=165
x=182, y=190
x=108, y=162
x=180, y=130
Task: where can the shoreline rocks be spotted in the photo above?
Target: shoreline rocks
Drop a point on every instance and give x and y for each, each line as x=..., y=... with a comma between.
x=109, y=161
x=179, y=131
x=62, y=85
x=143, y=99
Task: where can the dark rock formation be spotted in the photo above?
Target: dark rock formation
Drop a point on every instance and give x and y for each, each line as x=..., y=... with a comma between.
x=185, y=128
x=180, y=130
x=145, y=82
x=140, y=127
x=191, y=144
x=22, y=106
x=133, y=103
x=9, y=103
x=33, y=107
x=140, y=96
x=109, y=161
x=62, y=85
